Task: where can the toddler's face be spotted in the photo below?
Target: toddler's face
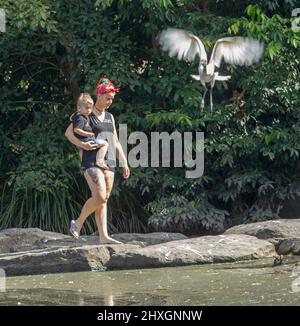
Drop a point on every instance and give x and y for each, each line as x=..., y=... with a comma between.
x=85, y=109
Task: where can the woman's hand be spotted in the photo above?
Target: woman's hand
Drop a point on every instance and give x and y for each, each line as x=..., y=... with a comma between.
x=89, y=146
x=126, y=172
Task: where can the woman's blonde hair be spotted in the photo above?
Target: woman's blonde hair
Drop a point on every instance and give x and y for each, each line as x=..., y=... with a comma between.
x=83, y=99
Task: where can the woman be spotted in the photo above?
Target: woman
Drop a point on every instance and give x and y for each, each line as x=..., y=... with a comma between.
x=99, y=183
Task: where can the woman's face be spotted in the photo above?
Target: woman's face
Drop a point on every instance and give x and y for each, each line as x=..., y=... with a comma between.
x=105, y=100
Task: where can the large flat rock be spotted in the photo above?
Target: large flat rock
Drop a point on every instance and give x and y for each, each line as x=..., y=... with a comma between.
x=15, y=240
x=201, y=250
x=275, y=229
x=54, y=260
x=34, y=251
x=11, y=239
x=149, y=238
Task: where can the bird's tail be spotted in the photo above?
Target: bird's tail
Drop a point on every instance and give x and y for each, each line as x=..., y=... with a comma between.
x=196, y=77
x=222, y=77
x=210, y=68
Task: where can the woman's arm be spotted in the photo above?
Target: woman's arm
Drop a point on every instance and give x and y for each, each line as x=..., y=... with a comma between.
x=120, y=153
x=88, y=146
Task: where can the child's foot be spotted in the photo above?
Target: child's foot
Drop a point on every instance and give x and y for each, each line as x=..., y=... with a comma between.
x=73, y=229
x=102, y=165
x=109, y=240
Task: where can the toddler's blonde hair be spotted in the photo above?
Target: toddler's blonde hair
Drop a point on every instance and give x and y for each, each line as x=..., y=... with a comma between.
x=83, y=99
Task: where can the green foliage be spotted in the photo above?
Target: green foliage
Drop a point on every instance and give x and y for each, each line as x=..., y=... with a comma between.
x=177, y=214
x=40, y=190
x=276, y=31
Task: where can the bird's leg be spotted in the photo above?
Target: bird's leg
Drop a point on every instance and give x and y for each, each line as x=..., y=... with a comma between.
x=212, y=84
x=203, y=100
x=210, y=97
x=278, y=260
x=203, y=97
x=281, y=258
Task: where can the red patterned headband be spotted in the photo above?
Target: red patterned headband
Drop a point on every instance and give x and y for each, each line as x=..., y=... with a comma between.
x=105, y=86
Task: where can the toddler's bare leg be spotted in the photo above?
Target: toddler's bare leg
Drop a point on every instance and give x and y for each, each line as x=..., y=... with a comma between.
x=101, y=154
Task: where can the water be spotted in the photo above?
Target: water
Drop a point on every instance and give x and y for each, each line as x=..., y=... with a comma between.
x=247, y=283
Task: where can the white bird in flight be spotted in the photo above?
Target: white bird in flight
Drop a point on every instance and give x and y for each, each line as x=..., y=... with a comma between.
x=234, y=50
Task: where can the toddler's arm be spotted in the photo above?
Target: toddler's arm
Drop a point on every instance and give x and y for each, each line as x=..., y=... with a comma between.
x=88, y=146
x=83, y=133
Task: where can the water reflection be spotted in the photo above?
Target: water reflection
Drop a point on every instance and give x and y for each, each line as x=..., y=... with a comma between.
x=109, y=301
x=250, y=283
x=49, y=297
x=85, y=300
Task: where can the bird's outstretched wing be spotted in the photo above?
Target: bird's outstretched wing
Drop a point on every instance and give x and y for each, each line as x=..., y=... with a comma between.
x=182, y=44
x=236, y=50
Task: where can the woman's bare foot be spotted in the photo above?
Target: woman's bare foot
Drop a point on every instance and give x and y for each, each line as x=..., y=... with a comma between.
x=109, y=240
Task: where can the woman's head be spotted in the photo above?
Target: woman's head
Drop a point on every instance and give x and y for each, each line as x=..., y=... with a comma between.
x=105, y=92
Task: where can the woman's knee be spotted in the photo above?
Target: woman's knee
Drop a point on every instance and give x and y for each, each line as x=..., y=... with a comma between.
x=100, y=198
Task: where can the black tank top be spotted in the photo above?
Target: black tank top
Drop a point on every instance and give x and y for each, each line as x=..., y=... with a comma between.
x=103, y=130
